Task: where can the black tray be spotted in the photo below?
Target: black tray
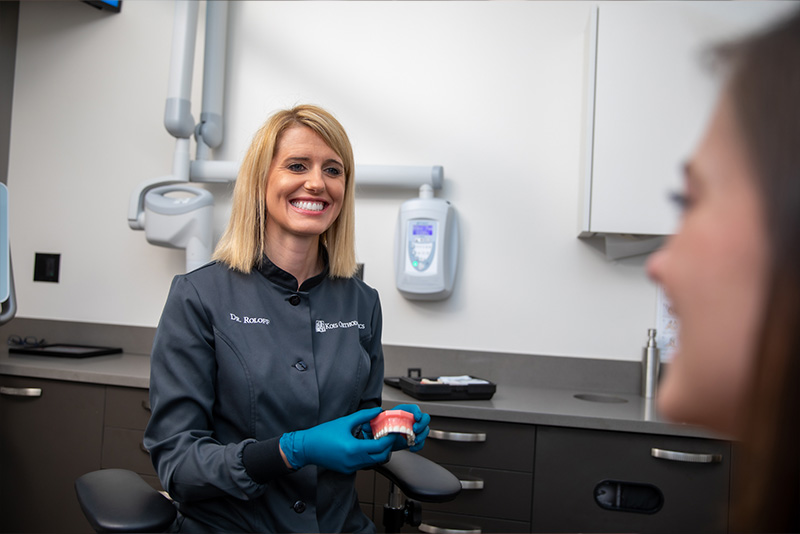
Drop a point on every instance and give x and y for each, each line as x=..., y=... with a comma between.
x=63, y=350
x=414, y=387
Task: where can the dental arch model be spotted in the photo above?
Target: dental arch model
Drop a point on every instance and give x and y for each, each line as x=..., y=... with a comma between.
x=394, y=421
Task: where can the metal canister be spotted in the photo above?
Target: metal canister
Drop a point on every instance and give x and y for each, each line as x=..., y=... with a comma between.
x=651, y=365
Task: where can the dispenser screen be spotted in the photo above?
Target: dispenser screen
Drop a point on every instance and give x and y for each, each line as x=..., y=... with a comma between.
x=423, y=229
x=422, y=246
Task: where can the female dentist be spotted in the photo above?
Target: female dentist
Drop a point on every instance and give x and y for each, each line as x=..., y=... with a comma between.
x=267, y=363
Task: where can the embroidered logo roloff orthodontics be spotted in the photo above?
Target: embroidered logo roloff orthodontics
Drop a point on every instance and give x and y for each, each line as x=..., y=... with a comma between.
x=249, y=320
x=322, y=326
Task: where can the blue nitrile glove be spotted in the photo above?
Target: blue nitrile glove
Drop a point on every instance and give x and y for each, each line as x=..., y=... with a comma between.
x=332, y=445
x=421, y=429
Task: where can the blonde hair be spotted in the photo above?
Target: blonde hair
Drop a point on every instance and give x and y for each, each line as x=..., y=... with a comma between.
x=242, y=245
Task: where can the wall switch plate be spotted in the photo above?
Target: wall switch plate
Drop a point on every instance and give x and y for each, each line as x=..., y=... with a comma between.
x=45, y=267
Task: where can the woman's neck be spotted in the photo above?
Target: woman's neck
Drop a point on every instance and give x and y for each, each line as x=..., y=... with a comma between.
x=298, y=256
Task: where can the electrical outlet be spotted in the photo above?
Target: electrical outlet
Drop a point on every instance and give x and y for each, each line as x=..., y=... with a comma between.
x=45, y=267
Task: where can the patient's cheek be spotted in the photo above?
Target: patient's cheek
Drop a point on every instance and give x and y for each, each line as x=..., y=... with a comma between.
x=394, y=421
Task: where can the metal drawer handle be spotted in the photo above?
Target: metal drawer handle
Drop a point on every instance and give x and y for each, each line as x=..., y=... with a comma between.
x=474, y=484
x=457, y=436
x=433, y=529
x=146, y=406
x=690, y=457
x=20, y=392
x=143, y=449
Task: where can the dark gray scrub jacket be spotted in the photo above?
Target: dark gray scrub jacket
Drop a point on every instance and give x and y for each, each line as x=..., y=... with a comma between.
x=240, y=359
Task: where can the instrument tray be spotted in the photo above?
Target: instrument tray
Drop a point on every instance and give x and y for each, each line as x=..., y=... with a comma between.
x=440, y=391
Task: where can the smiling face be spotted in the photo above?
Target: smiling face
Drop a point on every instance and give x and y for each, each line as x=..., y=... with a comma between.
x=305, y=186
x=714, y=270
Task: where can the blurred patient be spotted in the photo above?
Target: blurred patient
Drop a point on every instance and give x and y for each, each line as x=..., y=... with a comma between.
x=732, y=273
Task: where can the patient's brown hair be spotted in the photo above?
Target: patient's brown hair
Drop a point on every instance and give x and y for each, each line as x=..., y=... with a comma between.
x=764, y=85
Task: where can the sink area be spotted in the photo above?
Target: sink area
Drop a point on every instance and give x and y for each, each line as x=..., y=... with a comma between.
x=599, y=397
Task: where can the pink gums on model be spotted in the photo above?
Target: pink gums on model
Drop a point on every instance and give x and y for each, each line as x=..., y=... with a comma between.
x=394, y=421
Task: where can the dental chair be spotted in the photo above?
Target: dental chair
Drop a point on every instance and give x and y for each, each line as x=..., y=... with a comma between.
x=118, y=500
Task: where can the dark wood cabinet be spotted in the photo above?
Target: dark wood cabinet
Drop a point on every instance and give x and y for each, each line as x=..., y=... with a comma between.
x=52, y=433
x=600, y=481
x=515, y=477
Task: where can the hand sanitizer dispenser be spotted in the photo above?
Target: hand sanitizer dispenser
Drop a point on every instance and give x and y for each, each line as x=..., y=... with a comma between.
x=426, y=247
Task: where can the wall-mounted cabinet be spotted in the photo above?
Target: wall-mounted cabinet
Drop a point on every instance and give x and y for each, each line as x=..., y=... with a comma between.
x=649, y=95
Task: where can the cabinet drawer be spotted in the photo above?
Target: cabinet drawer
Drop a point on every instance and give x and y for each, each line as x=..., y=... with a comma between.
x=445, y=523
x=122, y=448
x=486, y=444
x=570, y=463
x=487, y=492
x=127, y=407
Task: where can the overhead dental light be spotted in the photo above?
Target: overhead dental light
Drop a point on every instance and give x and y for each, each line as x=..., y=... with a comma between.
x=181, y=221
x=169, y=229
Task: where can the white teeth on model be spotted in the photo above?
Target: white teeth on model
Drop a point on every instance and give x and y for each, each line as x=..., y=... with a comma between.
x=399, y=430
x=308, y=205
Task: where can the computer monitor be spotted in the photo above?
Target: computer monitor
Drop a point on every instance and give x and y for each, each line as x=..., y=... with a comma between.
x=4, y=254
x=107, y=5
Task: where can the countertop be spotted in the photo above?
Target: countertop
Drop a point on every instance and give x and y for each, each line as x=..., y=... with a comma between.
x=510, y=403
x=131, y=370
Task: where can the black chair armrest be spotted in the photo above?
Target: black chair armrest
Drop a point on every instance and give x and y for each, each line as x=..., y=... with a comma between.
x=118, y=500
x=419, y=478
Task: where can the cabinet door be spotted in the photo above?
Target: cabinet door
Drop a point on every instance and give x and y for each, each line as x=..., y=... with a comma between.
x=51, y=434
x=574, y=466
x=653, y=97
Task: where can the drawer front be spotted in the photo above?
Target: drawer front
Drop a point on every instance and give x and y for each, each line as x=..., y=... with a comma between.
x=445, y=523
x=122, y=448
x=570, y=463
x=487, y=444
x=127, y=407
x=487, y=492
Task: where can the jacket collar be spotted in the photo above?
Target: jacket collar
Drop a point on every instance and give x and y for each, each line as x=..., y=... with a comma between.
x=282, y=278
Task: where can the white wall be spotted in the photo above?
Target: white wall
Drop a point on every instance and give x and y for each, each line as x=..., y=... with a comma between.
x=493, y=91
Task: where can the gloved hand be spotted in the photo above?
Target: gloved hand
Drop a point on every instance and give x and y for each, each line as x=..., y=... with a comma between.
x=332, y=445
x=421, y=429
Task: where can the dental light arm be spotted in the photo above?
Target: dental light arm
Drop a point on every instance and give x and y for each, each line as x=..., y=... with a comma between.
x=209, y=131
x=178, y=112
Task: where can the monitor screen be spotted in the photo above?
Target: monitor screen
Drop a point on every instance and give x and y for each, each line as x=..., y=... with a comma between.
x=107, y=5
x=4, y=256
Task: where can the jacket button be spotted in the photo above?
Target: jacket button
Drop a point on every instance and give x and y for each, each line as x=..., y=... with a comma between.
x=294, y=300
x=299, y=507
x=301, y=366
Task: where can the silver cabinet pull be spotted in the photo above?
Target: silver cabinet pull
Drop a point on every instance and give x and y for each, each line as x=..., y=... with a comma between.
x=146, y=406
x=457, y=436
x=474, y=484
x=20, y=392
x=143, y=448
x=690, y=457
x=433, y=529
